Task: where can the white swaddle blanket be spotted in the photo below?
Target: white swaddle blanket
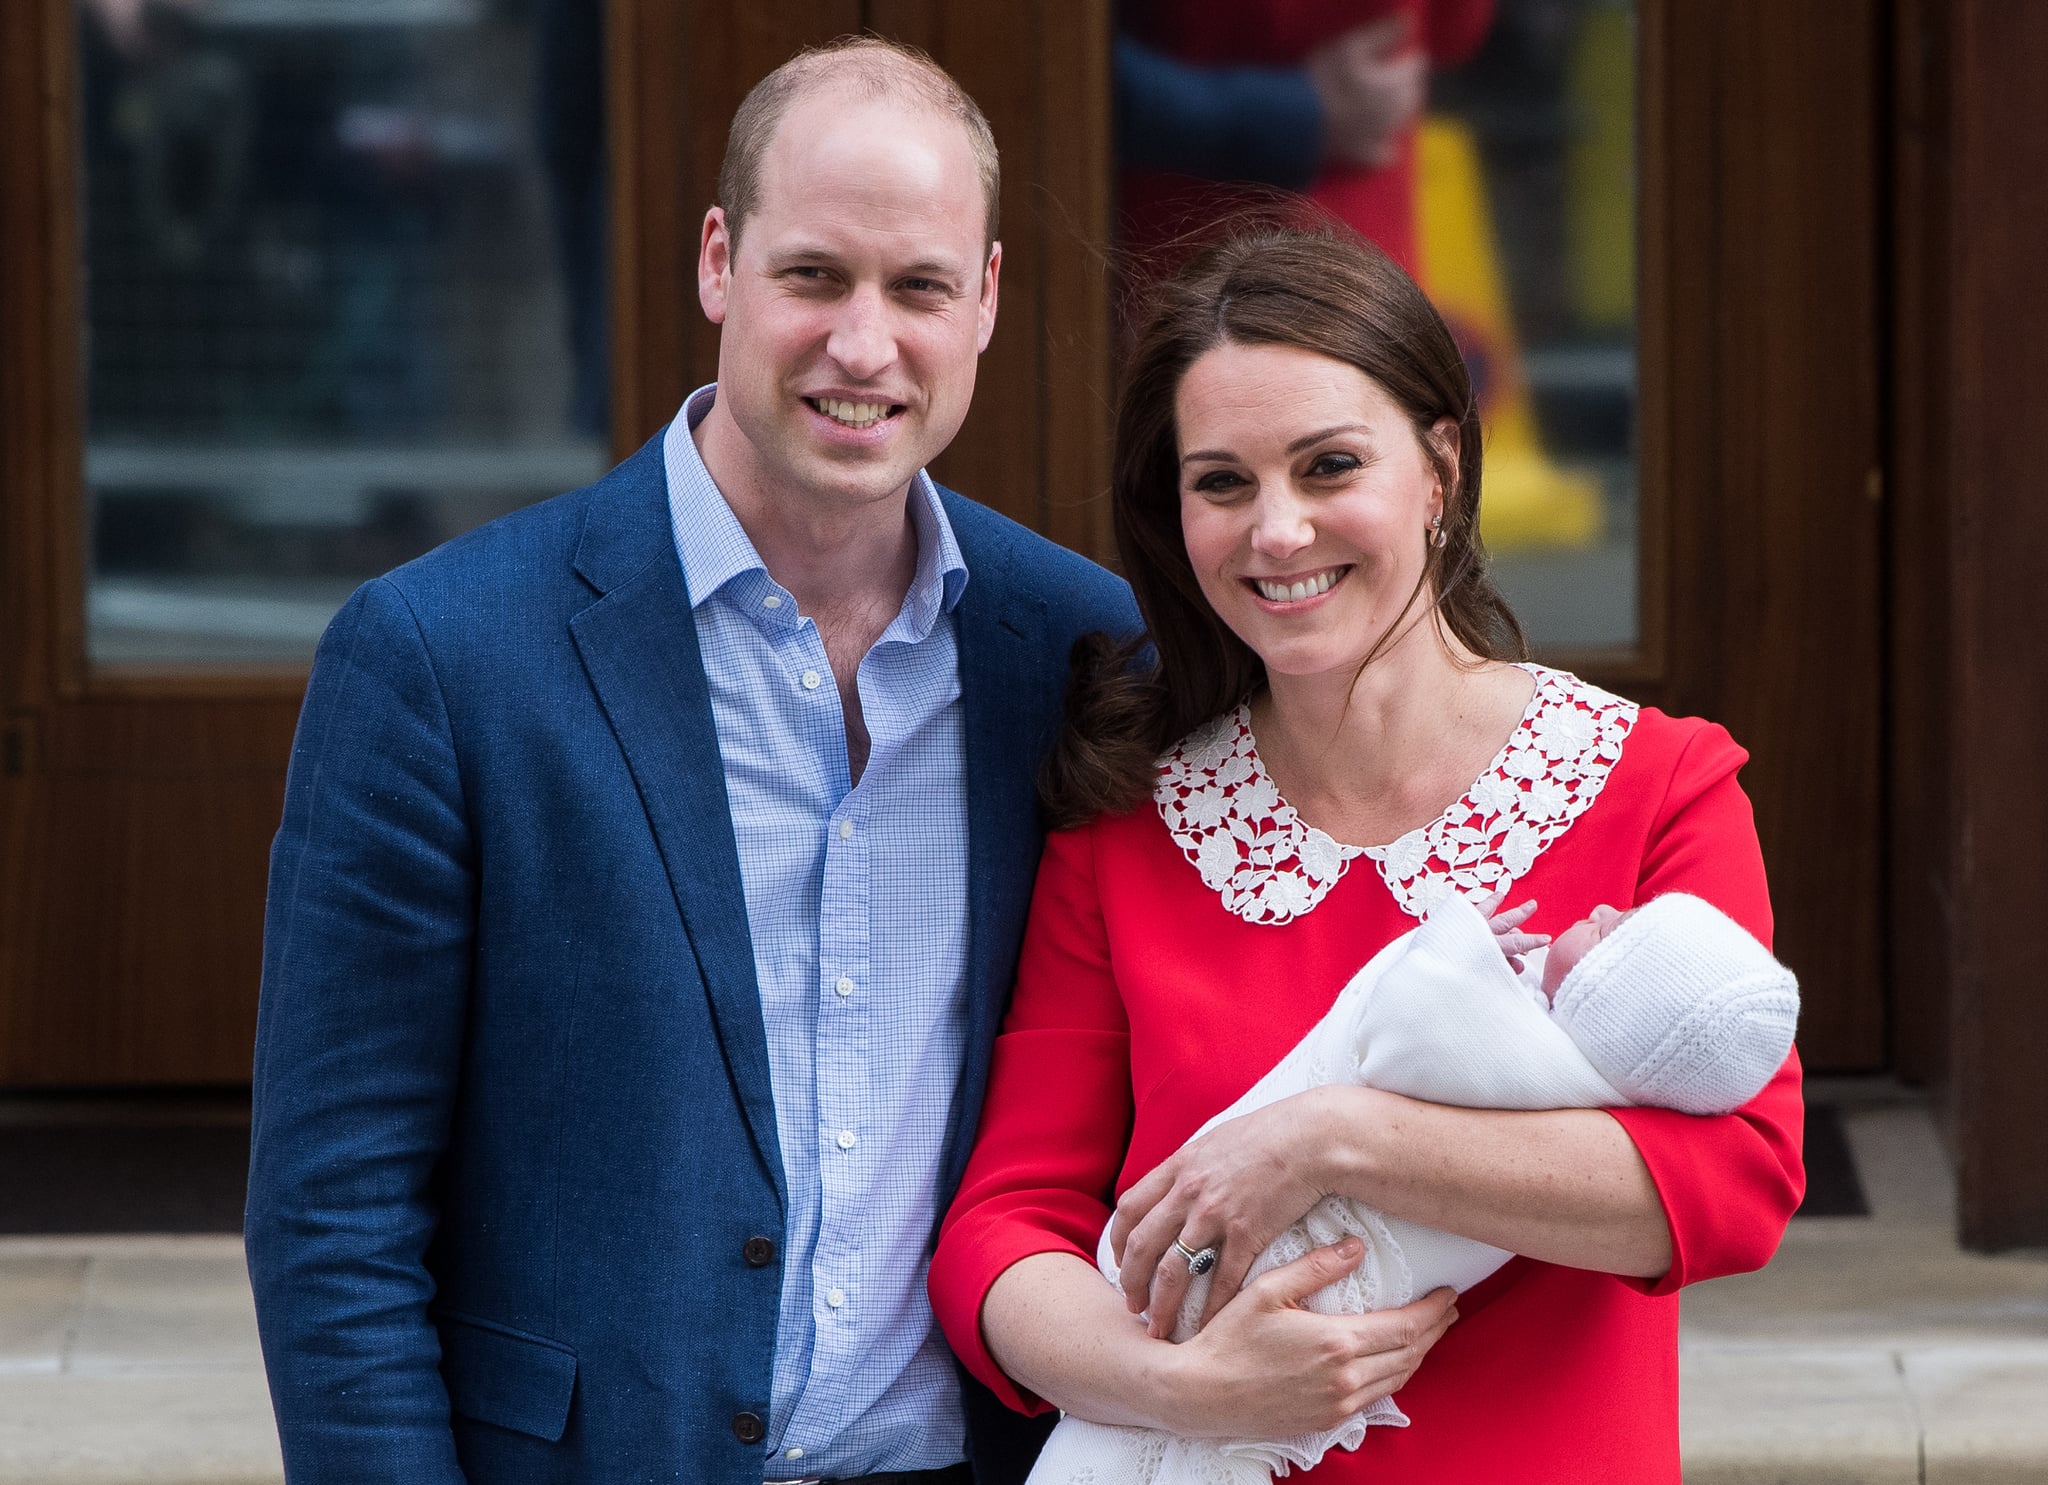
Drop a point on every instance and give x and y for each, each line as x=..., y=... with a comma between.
x=1438, y=1015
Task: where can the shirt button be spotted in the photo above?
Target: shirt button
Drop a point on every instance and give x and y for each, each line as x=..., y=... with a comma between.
x=835, y=1297
x=774, y=601
x=844, y=987
x=846, y=830
x=758, y=1251
x=848, y=1139
x=792, y=1452
x=748, y=1428
x=810, y=680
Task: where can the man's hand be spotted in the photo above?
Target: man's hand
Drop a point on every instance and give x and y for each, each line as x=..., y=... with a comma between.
x=1372, y=82
x=1269, y=1368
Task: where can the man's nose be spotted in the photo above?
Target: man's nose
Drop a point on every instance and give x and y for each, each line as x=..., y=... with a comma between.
x=861, y=340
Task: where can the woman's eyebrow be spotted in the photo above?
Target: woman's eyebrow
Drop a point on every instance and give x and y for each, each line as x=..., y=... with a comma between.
x=1224, y=456
x=1314, y=438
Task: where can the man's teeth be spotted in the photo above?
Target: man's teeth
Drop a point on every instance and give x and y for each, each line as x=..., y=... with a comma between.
x=852, y=414
x=1295, y=592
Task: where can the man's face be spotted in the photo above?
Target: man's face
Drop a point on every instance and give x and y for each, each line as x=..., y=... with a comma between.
x=856, y=303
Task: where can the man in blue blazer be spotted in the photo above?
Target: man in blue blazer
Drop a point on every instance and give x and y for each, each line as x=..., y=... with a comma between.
x=651, y=878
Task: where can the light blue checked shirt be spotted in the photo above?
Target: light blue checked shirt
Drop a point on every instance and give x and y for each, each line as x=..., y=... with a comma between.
x=857, y=903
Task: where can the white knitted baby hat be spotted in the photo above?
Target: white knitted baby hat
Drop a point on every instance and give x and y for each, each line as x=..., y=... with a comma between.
x=1678, y=1006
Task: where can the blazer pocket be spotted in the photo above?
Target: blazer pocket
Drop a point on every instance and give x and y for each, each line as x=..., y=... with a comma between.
x=502, y=1376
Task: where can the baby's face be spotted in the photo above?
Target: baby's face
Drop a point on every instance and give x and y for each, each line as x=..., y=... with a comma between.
x=1575, y=942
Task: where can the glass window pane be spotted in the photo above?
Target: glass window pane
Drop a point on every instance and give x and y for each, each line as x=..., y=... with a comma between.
x=1539, y=128
x=345, y=299
x=1509, y=194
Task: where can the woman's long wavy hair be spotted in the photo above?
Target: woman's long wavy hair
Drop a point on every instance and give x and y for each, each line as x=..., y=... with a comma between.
x=1323, y=290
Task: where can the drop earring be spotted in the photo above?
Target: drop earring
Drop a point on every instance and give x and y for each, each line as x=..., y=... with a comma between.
x=1436, y=531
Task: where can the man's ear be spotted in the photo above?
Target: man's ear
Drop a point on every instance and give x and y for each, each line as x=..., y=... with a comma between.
x=987, y=309
x=714, y=265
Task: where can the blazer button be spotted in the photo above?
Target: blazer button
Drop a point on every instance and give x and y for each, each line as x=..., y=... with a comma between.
x=758, y=1251
x=748, y=1428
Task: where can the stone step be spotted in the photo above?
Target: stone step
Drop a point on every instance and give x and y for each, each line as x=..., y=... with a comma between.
x=1870, y=1352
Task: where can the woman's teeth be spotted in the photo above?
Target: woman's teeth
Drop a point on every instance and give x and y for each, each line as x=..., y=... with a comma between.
x=851, y=414
x=1294, y=592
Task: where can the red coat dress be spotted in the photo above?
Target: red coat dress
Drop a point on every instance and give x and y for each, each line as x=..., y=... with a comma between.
x=1167, y=966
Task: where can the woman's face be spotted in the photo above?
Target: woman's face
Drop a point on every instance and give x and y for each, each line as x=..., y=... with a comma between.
x=1305, y=502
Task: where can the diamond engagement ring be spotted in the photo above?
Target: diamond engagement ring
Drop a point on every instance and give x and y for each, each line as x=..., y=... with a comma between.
x=1200, y=1260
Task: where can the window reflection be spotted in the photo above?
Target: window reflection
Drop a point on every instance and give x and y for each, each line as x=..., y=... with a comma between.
x=1490, y=148
x=345, y=298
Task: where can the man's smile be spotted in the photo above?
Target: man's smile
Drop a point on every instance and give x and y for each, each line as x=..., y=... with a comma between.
x=856, y=415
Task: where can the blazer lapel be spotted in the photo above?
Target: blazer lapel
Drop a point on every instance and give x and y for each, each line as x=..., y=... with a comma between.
x=638, y=644
x=1005, y=678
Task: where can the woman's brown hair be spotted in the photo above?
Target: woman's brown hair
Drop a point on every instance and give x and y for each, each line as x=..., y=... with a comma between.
x=1324, y=290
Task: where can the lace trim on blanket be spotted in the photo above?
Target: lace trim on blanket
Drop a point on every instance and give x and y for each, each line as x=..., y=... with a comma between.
x=1271, y=866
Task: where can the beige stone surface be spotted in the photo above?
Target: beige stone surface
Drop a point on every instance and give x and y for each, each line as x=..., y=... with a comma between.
x=1761, y=1417
x=40, y=1294
x=1985, y=1411
x=1872, y=1348
x=190, y=1429
x=166, y=1311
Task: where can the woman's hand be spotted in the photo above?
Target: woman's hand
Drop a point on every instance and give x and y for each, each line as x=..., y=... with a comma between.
x=1234, y=1189
x=1268, y=1368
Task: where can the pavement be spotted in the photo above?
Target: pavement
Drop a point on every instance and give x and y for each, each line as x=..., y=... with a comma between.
x=1870, y=1352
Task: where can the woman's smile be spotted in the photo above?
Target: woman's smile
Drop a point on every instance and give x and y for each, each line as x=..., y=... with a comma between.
x=1296, y=593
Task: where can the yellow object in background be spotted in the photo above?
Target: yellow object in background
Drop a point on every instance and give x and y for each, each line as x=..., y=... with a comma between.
x=1526, y=500
x=1600, y=169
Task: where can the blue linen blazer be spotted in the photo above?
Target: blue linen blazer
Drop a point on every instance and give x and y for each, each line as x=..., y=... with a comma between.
x=513, y=1135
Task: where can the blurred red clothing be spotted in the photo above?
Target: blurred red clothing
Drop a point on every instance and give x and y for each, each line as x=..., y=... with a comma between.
x=1156, y=208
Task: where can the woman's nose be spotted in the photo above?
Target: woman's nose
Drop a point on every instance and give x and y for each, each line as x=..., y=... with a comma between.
x=1282, y=525
x=861, y=341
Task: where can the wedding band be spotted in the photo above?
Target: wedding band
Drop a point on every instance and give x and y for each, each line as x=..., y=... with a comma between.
x=1200, y=1260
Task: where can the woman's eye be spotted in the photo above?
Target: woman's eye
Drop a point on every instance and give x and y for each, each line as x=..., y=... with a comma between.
x=1327, y=465
x=1218, y=482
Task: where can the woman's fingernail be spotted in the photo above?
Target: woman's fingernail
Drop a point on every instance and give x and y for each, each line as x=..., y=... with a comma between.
x=1351, y=1247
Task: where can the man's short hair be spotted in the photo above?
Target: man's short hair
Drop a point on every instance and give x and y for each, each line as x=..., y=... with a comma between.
x=870, y=68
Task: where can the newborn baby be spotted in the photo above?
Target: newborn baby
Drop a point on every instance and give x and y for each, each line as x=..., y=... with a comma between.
x=1671, y=1004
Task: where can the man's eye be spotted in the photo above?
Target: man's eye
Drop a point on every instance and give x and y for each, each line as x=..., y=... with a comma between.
x=924, y=286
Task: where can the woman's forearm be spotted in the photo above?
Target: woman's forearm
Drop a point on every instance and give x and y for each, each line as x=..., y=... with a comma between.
x=1565, y=1186
x=1056, y=1329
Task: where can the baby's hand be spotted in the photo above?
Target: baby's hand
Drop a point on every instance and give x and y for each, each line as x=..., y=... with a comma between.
x=1506, y=926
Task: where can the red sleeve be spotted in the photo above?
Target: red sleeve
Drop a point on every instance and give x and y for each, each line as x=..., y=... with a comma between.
x=1729, y=1183
x=1455, y=28
x=1058, y=1115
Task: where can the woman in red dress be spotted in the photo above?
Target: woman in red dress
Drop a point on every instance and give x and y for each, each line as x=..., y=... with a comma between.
x=1334, y=727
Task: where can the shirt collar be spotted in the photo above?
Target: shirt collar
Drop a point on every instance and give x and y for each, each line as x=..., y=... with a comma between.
x=716, y=551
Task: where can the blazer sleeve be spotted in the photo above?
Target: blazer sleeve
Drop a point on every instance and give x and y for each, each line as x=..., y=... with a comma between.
x=1729, y=1182
x=1058, y=1116
x=367, y=952
x=1260, y=124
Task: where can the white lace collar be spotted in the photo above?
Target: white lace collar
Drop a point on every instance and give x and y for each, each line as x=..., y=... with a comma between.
x=1271, y=866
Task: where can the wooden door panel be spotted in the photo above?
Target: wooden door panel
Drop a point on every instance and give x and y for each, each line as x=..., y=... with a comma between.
x=1773, y=462
x=132, y=894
